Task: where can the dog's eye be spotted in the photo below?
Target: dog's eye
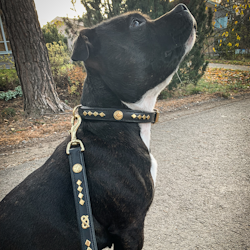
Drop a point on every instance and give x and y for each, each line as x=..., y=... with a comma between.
x=135, y=23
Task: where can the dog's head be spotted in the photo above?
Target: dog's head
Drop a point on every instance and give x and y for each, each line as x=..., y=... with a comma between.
x=133, y=53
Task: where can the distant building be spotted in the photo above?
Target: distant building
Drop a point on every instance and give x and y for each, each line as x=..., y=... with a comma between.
x=4, y=39
x=220, y=21
x=61, y=26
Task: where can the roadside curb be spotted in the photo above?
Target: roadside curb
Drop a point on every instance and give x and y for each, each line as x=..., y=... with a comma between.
x=229, y=66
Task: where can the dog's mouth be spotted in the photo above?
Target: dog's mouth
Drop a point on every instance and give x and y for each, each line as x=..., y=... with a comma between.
x=182, y=33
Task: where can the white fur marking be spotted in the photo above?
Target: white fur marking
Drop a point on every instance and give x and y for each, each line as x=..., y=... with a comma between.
x=153, y=169
x=147, y=103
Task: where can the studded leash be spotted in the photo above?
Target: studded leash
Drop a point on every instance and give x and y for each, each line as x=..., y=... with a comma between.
x=80, y=187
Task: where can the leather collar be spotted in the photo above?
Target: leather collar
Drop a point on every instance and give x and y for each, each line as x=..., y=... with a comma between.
x=114, y=115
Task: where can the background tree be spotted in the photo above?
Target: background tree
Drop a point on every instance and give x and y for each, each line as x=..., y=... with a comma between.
x=233, y=28
x=194, y=65
x=51, y=33
x=31, y=57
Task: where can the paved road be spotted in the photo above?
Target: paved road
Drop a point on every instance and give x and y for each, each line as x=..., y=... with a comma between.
x=229, y=66
x=202, y=198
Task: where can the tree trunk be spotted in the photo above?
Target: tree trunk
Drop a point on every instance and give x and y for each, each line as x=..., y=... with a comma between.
x=31, y=58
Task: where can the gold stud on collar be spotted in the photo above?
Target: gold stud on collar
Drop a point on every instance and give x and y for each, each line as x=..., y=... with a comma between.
x=118, y=115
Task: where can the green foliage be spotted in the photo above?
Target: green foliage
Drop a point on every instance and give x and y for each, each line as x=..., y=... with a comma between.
x=11, y=94
x=8, y=79
x=58, y=57
x=65, y=74
x=95, y=12
x=153, y=8
x=51, y=33
x=7, y=62
x=8, y=74
x=8, y=112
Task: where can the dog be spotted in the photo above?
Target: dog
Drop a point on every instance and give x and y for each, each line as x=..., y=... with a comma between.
x=129, y=60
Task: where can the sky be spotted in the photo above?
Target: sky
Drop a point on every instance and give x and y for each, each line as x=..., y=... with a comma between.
x=47, y=10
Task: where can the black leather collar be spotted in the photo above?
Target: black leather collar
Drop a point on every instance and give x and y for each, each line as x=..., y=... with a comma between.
x=122, y=115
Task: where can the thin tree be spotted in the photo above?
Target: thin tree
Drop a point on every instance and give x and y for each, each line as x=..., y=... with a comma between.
x=31, y=58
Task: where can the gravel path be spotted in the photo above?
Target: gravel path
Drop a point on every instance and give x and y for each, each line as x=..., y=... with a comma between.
x=202, y=198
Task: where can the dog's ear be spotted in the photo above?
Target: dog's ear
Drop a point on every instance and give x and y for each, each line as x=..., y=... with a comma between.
x=80, y=48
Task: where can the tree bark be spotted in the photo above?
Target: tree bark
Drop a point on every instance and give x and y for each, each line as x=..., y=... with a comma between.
x=31, y=58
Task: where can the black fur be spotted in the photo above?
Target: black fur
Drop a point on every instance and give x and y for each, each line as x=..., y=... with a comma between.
x=123, y=60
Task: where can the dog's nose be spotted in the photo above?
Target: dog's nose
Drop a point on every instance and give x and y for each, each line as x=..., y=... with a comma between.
x=181, y=7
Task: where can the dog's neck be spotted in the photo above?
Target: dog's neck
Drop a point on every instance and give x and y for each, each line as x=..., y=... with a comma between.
x=97, y=94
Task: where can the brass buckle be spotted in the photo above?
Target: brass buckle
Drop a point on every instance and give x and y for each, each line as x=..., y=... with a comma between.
x=75, y=122
x=157, y=115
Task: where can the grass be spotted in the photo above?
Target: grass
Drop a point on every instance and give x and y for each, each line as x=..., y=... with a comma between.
x=215, y=81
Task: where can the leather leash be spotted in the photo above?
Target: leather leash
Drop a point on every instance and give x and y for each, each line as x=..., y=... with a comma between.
x=80, y=187
x=77, y=165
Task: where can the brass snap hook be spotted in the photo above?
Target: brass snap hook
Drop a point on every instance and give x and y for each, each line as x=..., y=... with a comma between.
x=75, y=122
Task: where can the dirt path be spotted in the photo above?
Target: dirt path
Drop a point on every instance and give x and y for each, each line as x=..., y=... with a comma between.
x=203, y=185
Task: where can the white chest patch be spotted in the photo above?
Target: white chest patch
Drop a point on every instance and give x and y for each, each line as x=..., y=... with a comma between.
x=147, y=103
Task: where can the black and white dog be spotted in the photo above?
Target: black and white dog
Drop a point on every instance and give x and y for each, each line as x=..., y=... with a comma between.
x=129, y=59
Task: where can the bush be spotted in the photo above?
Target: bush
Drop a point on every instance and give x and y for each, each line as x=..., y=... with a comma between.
x=65, y=74
x=8, y=112
x=58, y=57
x=7, y=62
x=8, y=79
x=11, y=94
x=76, y=77
x=8, y=74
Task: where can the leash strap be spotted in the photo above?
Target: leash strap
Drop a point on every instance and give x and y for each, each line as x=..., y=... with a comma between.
x=80, y=187
x=82, y=199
